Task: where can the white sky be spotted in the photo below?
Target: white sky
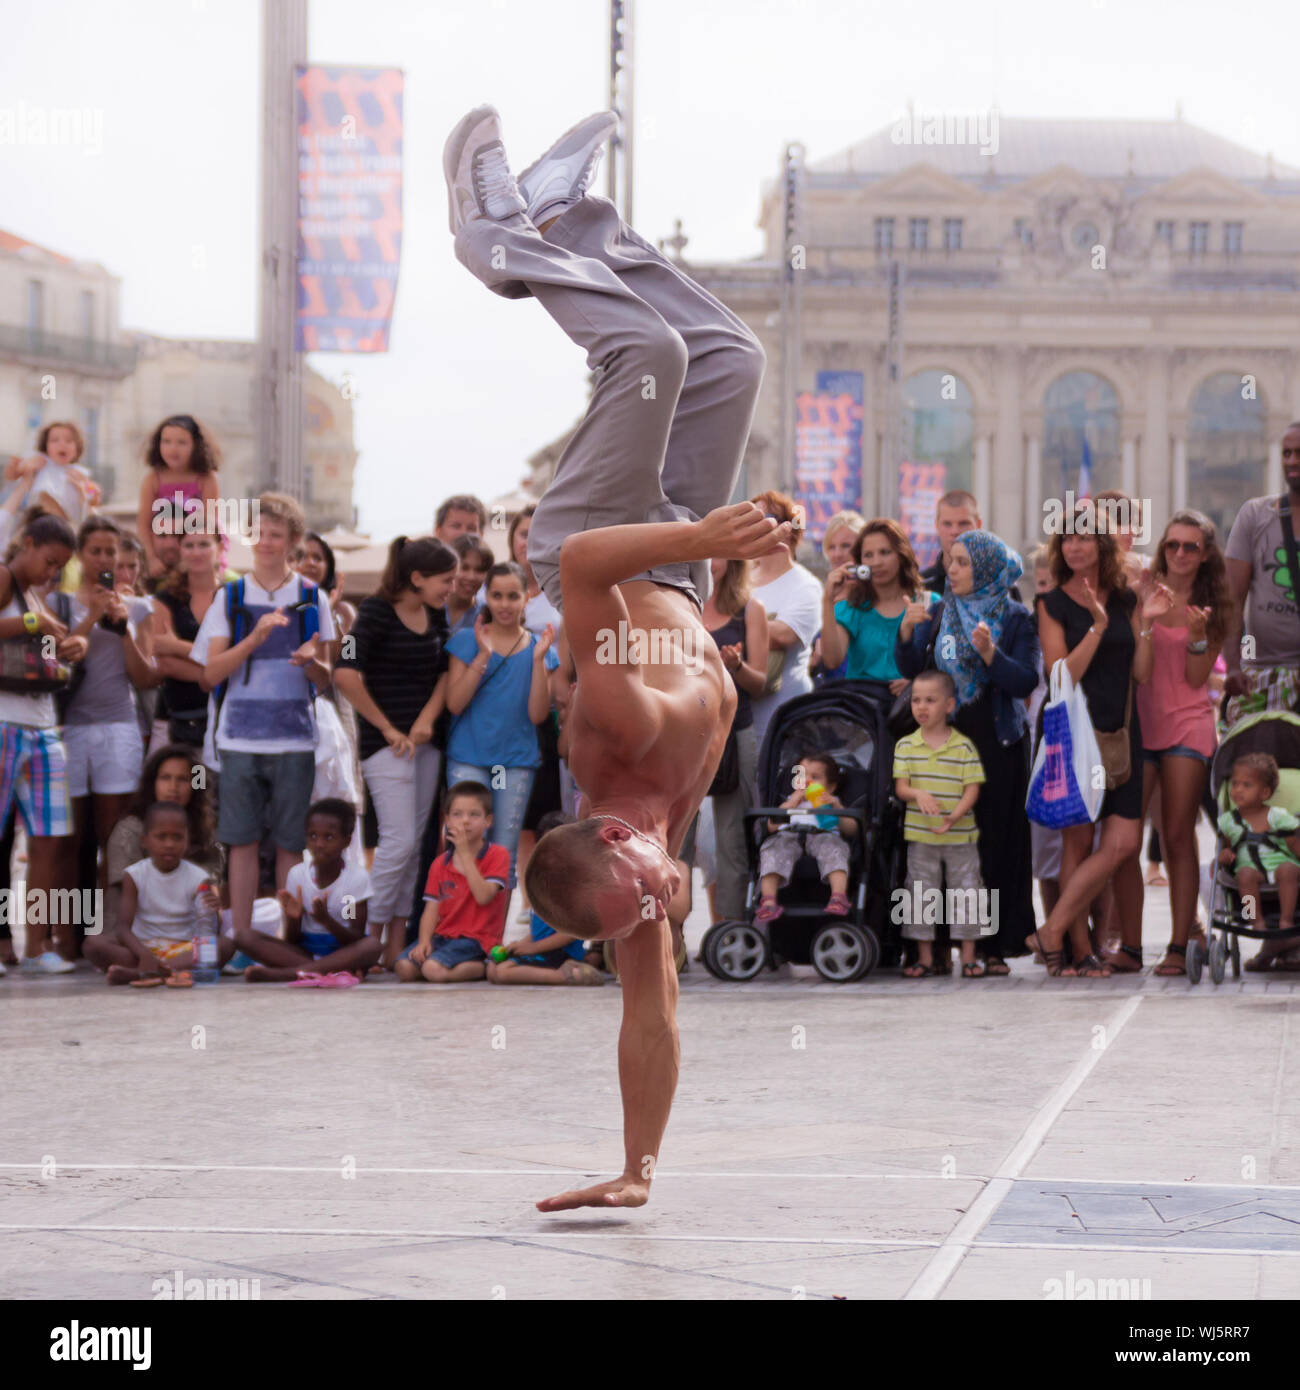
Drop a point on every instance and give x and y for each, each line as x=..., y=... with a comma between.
x=474, y=383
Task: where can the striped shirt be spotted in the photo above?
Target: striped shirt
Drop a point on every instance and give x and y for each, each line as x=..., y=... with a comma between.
x=944, y=772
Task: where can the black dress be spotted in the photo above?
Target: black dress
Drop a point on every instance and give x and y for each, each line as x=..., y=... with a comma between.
x=1107, y=683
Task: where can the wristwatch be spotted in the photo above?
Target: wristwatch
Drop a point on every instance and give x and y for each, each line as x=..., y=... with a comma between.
x=32, y=623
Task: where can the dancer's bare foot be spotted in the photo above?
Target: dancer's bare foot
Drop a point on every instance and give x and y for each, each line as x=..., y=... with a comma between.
x=622, y=1192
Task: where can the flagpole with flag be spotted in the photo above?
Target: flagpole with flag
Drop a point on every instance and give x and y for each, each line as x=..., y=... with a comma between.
x=1085, y=472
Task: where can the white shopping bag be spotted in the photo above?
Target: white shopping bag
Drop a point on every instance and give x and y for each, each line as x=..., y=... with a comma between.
x=1068, y=783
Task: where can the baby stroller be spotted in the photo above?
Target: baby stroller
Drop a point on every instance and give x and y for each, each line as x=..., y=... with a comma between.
x=1276, y=732
x=847, y=720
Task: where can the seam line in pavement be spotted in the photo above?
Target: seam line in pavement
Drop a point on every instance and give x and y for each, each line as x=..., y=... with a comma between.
x=933, y=1279
x=899, y=1242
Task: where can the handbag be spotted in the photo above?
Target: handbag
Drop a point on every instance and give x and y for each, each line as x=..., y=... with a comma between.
x=27, y=665
x=900, y=721
x=1116, y=750
x=1062, y=788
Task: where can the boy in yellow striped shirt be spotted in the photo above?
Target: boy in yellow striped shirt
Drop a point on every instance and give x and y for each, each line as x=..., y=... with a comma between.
x=938, y=773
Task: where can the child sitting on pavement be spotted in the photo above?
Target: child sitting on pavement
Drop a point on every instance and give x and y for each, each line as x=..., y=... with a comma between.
x=159, y=915
x=325, y=904
x=938, y=773
x=822, y=836
x=561, y=962
x=463, y=917
x=1263, y=845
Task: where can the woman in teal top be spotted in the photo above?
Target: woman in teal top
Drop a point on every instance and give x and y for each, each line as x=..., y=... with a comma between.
x=860, y=618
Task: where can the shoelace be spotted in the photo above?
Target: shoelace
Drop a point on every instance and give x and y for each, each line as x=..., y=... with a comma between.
x=492, y=176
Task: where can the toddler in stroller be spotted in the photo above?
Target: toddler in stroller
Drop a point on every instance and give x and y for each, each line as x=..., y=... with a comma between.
x=809, y=830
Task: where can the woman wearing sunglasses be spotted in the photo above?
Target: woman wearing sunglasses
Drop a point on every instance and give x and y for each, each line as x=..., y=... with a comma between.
x=1177, y=718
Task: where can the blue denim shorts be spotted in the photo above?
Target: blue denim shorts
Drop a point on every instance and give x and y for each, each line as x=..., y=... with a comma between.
x=1178, y=750
x=450, y=951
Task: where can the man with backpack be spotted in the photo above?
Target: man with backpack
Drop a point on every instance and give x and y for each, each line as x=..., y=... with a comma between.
x=262, y=646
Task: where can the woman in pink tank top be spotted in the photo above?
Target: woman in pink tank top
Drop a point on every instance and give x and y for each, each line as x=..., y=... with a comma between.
x=1177, y=711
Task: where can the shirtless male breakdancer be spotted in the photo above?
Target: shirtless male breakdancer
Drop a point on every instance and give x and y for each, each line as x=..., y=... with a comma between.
x=621, y=543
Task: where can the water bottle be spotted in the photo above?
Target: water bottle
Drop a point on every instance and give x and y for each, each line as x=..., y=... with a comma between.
x=206, y=934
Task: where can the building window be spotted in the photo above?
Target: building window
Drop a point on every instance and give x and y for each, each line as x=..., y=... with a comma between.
x=918, y=233
x=884, y=233
x=1227, y=448
x=1232, y=237
x=1080, y=423
x=952, y=233
x=1199, y=238
x=91, y=458
x=35, y=305
x=87, y=314
x=1024, y=232
x=938, y=452
x=1165, y=232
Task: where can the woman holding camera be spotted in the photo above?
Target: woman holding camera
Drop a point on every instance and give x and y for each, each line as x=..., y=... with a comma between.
x=864, y=602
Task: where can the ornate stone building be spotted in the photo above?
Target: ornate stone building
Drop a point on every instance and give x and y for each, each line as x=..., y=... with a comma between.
x=1134, y=284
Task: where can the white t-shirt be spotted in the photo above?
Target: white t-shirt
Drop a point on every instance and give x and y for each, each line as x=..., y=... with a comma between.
x=168, y=905
x=539, y=611
x=795, y=598
x=341, y=898
x=215, y=624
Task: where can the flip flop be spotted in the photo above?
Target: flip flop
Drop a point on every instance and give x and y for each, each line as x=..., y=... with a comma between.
x=337, y=979
x=180, y=979
x=307, y=979
x=146, y=982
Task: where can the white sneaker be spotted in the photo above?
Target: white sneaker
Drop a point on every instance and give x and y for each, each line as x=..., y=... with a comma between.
x=47, y=963
x=564, y=173
x=479, y=181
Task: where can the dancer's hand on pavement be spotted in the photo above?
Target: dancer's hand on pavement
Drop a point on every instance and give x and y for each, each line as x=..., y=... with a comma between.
x=740, y=531
x=622, y=1192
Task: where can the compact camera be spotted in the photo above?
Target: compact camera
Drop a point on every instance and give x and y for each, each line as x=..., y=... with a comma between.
x=862, y=572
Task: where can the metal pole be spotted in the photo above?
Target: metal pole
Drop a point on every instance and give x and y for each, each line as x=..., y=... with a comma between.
x=792, y=271
x=280, y=432
x=629, y=117
x=894, y=424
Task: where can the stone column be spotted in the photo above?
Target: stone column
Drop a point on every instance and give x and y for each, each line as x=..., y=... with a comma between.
x=1128, y=468
x=1033, y=520
x=1179, y=479
x=1273, y=478
x=1007, y=482
x=980, y=477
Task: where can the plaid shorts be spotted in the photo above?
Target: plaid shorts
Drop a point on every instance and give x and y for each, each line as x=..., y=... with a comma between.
x=34, y=776
x=929, y=866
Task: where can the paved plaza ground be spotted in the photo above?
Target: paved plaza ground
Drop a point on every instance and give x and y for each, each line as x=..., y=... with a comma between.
x=936, y=1139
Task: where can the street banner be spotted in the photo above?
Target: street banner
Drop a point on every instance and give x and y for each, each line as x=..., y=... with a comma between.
x=349, y=206
x=920, y=486
x=828, y=449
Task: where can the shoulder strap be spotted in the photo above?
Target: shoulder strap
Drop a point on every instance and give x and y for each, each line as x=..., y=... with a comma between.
x=1288, y=533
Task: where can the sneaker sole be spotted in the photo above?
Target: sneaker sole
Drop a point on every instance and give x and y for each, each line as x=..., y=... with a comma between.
x=576, y=138
x=455, y=147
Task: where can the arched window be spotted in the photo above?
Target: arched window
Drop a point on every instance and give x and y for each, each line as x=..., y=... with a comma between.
x=938, y=452
x=1081, y=446
x=1227, y=449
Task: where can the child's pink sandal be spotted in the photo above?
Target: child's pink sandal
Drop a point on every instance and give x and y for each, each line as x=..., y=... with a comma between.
x=769, y=910
x=338, y=979
x=307, y=979
x=838, y=906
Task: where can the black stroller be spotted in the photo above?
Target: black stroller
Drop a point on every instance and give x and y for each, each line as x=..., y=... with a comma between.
x=846, y=719
x=1276, y=732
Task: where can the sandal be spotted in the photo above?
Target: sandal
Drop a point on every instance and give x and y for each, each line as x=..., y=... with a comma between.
x=973, y=970
x=839, y=905
x=1167, y=967
x=768, y=911
x=995, y=965
x=1090, y=968
x=1263, y=959
x=917, y=971
x=1133, y=953
x=146, y=982
x=180, y=979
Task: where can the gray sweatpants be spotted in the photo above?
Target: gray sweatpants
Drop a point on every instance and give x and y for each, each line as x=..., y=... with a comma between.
x=677, y=379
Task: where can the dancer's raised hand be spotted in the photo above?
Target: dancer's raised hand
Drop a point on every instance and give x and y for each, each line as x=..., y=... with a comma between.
x=740, y=531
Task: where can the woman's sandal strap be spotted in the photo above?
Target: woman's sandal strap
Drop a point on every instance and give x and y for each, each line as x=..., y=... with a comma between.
x=1173, y=949
x=1133, y=952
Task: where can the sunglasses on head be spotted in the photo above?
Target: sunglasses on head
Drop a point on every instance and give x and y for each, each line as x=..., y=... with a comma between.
x=1187, y=547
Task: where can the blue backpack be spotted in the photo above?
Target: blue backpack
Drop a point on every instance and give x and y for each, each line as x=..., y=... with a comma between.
x=241, y=624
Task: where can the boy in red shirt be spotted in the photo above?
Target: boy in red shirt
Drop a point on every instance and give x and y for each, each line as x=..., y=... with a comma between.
x=462, y=919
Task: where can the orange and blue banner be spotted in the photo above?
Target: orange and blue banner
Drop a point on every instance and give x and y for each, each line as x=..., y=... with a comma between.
x=828, y=449
x=349, y=124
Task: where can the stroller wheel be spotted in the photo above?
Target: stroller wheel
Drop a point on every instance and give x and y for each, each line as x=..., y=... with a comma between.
x=734, y=951
x=843, y=951
x=1195, y=962
x=1218, y=957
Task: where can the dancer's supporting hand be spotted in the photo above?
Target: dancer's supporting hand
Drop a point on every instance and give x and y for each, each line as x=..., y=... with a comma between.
x=740, y=531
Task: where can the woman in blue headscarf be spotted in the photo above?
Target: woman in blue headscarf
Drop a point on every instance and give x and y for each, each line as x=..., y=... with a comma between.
x=988, y=643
